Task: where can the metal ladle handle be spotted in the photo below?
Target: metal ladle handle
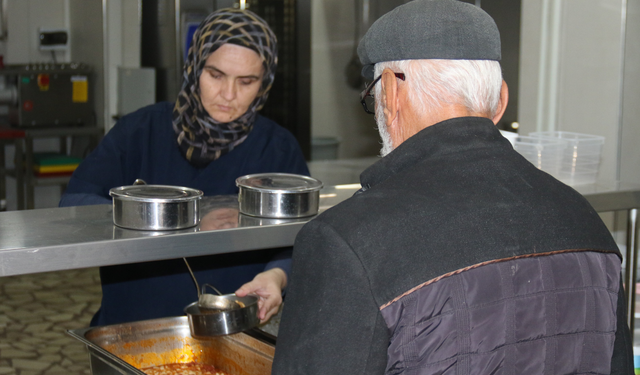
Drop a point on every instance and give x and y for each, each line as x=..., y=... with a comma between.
x=212, y=287
x=196, y=281
x=192, y=276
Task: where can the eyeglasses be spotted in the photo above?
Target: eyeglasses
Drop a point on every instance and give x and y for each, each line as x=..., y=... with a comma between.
x=366, y=98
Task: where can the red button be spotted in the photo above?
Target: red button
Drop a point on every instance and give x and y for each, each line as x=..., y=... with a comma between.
x=43, y=82
x=27, y=105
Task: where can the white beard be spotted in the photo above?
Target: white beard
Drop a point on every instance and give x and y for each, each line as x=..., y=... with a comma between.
x=387, y=145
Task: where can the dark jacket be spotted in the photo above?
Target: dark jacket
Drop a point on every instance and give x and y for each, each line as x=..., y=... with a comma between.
x=458, y=257
x=143, y=145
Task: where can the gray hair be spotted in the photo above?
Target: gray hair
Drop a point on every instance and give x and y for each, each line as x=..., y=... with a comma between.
x=476, y=84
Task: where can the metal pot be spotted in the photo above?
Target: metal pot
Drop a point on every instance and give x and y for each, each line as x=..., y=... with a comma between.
x=155, y=207
x=236, y=314
x=278, y=195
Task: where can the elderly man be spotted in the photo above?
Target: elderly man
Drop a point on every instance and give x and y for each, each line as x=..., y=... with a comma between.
x=457, y=256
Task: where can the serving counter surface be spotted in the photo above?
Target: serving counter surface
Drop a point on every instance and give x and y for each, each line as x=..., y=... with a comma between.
x=78, y=237
x=66, y=238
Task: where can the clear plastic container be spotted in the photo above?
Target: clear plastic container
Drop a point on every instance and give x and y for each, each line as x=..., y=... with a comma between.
x=545, y=153
x=577, y=143
x=578, y=176
x=581, y=156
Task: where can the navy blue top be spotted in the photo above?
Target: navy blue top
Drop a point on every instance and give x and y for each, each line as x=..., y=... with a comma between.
x=143, y=145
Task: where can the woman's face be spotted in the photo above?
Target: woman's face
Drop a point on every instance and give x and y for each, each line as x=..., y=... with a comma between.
x=229, y=82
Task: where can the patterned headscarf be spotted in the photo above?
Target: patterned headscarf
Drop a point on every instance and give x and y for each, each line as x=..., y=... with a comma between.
x=201, y=138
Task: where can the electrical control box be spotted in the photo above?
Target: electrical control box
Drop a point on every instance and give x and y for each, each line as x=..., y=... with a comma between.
x=53, y=39
x=51, y=94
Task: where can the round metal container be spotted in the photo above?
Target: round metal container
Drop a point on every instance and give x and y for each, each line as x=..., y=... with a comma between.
x=253, y=221
x=205, y=323
x=155, y=207
x=278, y=195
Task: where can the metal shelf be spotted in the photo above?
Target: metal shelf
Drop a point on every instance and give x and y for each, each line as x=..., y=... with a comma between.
x=11, y=136
x=44, y=181
x=31, y=181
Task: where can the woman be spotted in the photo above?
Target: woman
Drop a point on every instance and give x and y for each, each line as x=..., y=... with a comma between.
x=209, y=137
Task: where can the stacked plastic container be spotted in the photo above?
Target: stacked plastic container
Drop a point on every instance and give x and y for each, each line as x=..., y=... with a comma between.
x=545, y=153
x=573, y=158
x=580, y=159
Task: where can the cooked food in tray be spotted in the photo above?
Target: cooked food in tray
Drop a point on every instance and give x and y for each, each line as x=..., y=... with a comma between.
x=191, y=368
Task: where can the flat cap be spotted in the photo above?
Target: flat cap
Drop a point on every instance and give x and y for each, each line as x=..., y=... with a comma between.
x=430, y=29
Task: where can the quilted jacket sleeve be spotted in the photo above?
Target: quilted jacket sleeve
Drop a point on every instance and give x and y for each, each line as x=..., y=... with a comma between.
x=331, y=323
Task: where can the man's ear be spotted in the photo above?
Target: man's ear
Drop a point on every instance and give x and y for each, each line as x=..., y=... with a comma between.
x=389, y=92
x=502, y=103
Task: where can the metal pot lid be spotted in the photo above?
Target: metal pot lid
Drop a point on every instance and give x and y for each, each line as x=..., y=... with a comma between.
x=155, y=193
x=279, y=183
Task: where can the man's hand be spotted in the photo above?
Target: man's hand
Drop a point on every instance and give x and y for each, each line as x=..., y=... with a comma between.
x=268, y=287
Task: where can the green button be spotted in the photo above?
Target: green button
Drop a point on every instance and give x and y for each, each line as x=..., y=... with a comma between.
x=26, y=80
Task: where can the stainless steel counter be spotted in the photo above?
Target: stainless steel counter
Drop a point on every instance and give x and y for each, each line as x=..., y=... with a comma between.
x=615, y=196
x=65, y=238
x=78, y=237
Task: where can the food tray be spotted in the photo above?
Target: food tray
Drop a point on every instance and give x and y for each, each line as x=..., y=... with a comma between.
x=124, y=349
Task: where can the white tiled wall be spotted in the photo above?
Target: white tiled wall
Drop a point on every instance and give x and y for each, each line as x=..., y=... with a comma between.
x=24, y=18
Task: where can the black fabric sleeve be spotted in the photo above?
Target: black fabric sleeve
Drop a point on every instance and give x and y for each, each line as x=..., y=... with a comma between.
x=622, y=359
x=330, y=323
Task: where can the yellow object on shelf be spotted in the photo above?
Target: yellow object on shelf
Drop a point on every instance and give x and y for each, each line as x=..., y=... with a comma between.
x=54, y=168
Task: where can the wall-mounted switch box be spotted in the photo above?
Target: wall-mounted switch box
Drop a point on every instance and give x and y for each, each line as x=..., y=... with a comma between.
x=53, y=39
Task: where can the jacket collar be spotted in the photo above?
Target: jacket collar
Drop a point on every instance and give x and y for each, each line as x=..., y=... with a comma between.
x=446, y=137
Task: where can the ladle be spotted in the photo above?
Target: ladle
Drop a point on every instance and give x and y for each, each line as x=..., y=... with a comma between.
x=220, y=315
x=209, y=301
